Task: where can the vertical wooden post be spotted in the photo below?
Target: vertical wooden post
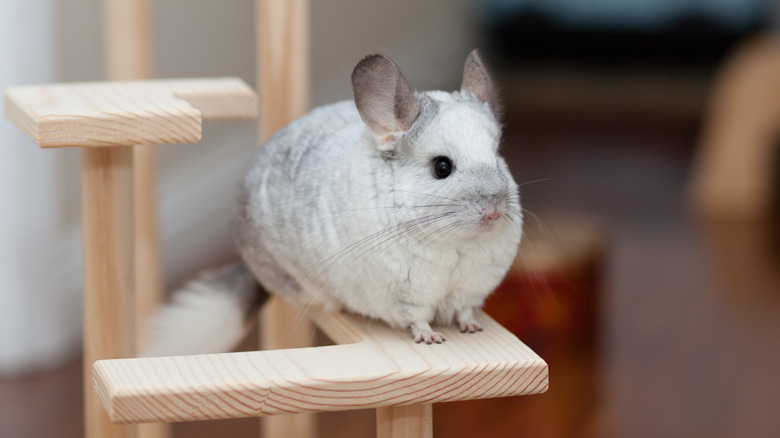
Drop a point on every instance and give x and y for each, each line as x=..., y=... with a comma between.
x=414, y=421
x=128, y=55
x=283, y=63
x=108, y=272
x=282, y=29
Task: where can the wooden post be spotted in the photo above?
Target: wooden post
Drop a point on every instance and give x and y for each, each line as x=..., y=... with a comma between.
x=128, y=55
x=414, y=421
x=282, y=29
x=283, y=63
x=108, y=272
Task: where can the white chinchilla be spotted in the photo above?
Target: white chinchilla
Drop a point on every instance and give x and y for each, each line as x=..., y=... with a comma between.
x=396, y=206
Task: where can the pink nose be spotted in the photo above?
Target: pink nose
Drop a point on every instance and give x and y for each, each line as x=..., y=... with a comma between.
x=491, y=216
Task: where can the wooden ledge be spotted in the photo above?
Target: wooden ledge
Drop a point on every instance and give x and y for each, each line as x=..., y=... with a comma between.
x=378, y=367
x=126, y=113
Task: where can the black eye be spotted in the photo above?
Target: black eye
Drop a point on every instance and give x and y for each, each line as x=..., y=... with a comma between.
x=442, y=167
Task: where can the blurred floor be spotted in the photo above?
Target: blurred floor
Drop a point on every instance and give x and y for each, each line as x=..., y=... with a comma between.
x=690, y=327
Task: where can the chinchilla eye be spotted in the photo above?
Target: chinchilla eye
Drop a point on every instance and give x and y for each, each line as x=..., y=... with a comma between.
x=442, y=167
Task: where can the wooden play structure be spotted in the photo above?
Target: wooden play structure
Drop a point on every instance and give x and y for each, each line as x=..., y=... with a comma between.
x=371, y=367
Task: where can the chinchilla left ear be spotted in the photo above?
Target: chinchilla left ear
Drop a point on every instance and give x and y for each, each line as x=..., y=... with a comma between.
x=383, y=98
x=477, y=81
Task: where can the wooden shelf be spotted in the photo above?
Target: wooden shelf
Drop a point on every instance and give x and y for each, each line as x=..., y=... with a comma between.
x=375, y=367
x=126, y=113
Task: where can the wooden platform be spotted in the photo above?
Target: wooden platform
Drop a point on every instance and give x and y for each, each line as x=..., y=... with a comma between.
x=126, y=113
x=375, y=367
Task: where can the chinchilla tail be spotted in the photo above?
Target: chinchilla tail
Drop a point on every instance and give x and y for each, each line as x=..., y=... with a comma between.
x=210, y=314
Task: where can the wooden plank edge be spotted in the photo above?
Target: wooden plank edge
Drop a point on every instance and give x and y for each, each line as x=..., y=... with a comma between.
x=235, y=101
x=257, y=397
x=18, y=115
x=56, y=131
x=204, y=403
x=209, y=99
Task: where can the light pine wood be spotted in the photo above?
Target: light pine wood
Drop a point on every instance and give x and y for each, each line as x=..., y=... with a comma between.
x=740, y=135
x=108, y=272
x=282, y=326
x=384, y=368
x=126, y=113
x=128, y=45
x=127, y=30
x=282, y=29
x=148, y=270
x=105, y=114
x=128, y=56
x=283, y=62
x=405, y=421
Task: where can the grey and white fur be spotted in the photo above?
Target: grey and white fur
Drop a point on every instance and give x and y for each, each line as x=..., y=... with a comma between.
x=396, y=206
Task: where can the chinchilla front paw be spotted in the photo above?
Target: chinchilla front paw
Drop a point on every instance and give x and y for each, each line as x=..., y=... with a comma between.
x=422, y=332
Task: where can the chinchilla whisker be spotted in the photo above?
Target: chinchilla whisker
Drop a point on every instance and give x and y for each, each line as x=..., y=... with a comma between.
x=409, y=226
x=397, y=237
x=441, y=231
x=300, y=316
x=395, y=228
x=512, y=218
x=335, y=258
x=539, y=219
x=536, y=248
x=428, y=194
x=513, y=199
x=533, y=181
x=540, y=280
x=454, y=203
x=398, y=207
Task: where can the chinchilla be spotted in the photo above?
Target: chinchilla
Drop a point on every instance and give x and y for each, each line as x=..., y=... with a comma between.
x=396, y=206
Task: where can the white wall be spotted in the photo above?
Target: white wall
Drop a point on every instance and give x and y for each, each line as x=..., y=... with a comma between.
x=38, y=251
x=194, y=38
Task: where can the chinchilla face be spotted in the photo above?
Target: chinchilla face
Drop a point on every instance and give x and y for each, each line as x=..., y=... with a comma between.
x=442, y=149
x=449, y=158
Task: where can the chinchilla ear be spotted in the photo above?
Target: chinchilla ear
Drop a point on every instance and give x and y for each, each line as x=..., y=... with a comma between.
x=383, y=98
x=476, y=80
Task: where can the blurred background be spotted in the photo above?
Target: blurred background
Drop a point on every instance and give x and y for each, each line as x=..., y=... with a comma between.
x=647, y=132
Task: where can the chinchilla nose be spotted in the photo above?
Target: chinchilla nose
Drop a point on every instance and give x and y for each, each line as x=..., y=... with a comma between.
x=491, y=215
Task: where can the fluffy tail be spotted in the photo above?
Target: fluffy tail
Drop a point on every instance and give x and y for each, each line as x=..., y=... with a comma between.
x=210, y=314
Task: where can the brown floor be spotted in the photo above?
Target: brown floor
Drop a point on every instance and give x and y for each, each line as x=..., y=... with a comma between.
x=689, y=340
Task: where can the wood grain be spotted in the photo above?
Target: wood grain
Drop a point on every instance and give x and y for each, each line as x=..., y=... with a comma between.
x=128, y=56
x=282, y=326
x=386, y=368
x=282, y=62
x=126, y=113
x=108, y=271
x=405, y=421
x=282, y=31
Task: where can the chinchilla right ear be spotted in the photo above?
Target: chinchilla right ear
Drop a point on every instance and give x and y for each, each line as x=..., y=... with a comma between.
x=477, y=80
x=383, y=98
